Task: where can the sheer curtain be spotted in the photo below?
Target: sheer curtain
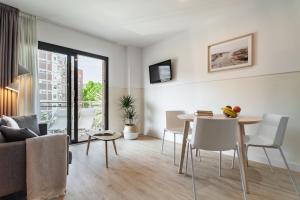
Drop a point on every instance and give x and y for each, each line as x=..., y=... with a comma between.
x=28, y=44
x=8, y=58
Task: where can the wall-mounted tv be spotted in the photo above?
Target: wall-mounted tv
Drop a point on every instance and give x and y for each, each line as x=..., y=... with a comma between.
x=160, y=72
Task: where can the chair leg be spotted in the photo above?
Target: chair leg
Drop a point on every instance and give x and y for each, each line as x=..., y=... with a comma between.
x=247, y=147
x=187, y=158
x=233, y=159
x=242, y=179
x=292, y=178
x=174, y=148
x=193, y=175
x=269, y=161
x=88, y=145
x=220, y=163
x=106, y=155
x=163, y=142
x=115, y=146
x=198, y=154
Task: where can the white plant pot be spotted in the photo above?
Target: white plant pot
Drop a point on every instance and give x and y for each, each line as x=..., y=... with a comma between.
x=130, y=132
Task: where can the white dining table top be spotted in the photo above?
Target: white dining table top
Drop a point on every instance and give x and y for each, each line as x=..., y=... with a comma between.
x=243, y=119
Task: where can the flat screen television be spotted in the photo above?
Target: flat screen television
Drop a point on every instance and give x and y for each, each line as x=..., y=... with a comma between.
x=160, y=72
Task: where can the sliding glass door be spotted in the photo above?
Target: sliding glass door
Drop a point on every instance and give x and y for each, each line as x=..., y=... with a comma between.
x=73, y=91
x=53, y=87
x=90, y=95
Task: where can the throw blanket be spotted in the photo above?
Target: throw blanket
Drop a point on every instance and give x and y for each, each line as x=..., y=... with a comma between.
x=46, y=167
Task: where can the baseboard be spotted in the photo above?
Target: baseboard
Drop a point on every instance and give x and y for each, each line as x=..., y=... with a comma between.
x=252, y=157
x=276, y=162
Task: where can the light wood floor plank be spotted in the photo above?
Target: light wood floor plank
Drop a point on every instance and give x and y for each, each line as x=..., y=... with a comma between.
x=141, y=172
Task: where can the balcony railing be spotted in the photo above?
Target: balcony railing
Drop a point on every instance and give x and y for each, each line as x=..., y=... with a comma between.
x=54, y=113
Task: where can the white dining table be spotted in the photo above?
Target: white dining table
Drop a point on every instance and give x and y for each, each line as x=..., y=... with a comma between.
x=242, y=120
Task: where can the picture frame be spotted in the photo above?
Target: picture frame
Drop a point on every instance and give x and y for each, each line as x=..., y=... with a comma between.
x=231, y=54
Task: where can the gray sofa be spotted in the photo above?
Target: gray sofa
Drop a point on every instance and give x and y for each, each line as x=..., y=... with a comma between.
x=13, y=165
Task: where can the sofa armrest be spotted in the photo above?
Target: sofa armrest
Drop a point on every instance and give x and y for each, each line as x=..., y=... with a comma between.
x=12, y=167
x=69, y=153
x=43, y=128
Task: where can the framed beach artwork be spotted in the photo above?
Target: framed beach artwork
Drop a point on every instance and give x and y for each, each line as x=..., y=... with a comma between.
x=230, y=54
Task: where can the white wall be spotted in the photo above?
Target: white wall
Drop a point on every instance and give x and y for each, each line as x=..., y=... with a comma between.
x=135, y=80
x=270, y=86
x=135, y=70
x=58, y=35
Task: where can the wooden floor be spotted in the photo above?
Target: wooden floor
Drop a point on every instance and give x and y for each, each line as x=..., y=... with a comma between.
x=141, y=172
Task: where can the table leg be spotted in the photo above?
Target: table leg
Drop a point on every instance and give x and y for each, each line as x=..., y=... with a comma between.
x=183, y=148
x=114, y=143
x=243, y=155
x=88, y=145
x=106, y=156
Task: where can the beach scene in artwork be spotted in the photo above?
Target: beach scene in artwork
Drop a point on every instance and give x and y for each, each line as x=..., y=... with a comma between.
x=229, y=54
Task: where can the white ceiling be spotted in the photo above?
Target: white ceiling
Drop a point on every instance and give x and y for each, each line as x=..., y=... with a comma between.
x=127, y=22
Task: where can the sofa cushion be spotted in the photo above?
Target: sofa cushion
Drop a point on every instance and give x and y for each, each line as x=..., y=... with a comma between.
x=10, y=122
x=16, y=134
x=29, y=122
x=12, y=168
x=2, y=139
x=2, y=122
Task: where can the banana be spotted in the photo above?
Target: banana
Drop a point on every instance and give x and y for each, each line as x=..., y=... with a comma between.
x=229, y=112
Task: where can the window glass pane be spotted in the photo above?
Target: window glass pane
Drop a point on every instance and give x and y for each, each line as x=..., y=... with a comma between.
x=90, y=94
x=52, y=74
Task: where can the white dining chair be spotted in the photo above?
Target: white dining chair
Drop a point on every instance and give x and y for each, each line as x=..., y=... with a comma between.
x=86, y=118
x=58, y=123
x=214, y=135
x=270, y=134
x=173, y=125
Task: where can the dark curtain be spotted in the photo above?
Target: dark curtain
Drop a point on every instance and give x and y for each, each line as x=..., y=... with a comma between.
x=9, y=17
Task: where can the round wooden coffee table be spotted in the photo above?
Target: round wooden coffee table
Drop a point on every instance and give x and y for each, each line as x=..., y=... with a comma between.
x=104, y=136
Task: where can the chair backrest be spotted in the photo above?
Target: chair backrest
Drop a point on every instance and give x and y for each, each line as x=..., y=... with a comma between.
x=59, y=120
x=214, y=134
x=273, y=128
x=172, y=120
x=86, y=118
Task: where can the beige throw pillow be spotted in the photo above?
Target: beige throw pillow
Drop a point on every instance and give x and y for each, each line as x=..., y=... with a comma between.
x=10, y=122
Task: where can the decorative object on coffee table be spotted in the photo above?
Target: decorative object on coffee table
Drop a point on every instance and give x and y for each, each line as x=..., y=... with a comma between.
x=129, y=115
x=105, y=136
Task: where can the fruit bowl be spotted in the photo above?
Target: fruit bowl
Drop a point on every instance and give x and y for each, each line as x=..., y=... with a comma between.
x=230, y=112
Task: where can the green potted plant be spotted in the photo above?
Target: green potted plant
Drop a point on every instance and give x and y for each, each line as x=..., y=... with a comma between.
x=129, y=115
